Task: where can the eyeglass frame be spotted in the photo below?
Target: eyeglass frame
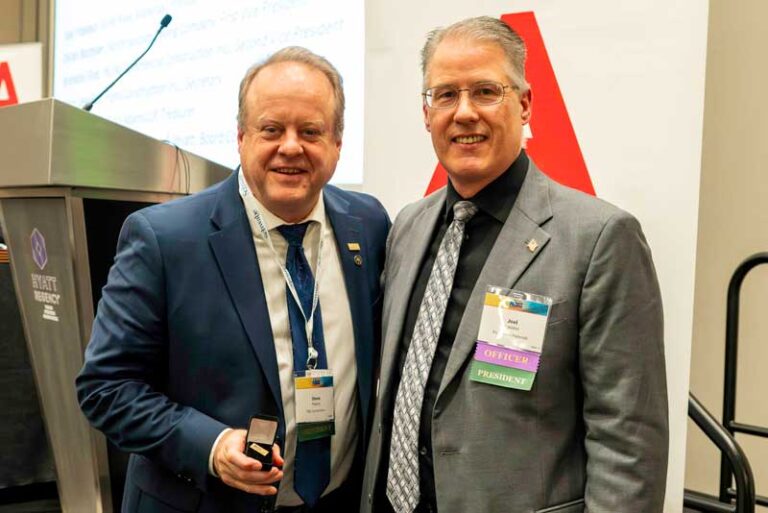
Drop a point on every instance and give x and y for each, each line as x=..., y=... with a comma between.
x=426, y=93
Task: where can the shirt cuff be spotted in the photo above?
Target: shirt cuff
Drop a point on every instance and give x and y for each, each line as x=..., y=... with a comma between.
x=211, y=469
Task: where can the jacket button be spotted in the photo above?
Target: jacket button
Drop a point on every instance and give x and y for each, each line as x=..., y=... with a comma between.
x=379, y=427
x=370, y=498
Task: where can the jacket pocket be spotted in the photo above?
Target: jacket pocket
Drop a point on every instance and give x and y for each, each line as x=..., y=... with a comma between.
x=558, y=312
x=149, y=504
x=161, y=491
x=576, y=506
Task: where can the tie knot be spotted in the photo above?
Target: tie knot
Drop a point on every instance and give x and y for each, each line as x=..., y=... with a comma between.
x=293, y=233
x=464, y=210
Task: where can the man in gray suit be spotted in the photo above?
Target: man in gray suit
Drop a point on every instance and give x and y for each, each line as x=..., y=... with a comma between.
x=466, y=422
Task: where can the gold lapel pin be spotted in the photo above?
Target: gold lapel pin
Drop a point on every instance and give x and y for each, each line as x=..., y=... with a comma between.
x=532, y=245
x=358, y=260
x=259, y=449
x=353, y=246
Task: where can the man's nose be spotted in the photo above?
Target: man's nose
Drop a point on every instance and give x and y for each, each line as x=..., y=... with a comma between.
x=290, y=145
x=466, y=112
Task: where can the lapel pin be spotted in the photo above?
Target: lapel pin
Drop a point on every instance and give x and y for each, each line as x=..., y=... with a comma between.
x=532, y=245
x=353, y=246
x=358, y=260
x=259, y=449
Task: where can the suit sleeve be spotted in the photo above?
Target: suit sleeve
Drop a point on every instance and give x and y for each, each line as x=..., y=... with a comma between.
x=623, y=374
x=120, y=387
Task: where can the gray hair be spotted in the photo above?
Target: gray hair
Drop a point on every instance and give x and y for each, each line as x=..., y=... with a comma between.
x=302, y=56
x=487, y=30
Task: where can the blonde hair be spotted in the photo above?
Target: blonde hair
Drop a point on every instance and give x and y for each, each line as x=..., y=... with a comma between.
x=302, y=56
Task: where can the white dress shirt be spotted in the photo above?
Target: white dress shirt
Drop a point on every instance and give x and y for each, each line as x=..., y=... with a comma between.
x=337, y=331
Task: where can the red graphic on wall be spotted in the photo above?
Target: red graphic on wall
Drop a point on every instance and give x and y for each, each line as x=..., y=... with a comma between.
x=553, y=145
x=6, y=83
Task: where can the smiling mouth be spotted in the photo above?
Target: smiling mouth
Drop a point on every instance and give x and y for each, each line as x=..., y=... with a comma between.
x=469, y=139
x=288, y=170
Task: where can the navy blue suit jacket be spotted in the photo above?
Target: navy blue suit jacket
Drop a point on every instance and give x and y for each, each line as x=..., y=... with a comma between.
x=182, y=344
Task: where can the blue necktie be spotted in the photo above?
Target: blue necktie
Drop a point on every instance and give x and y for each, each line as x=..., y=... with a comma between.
x=312, y=465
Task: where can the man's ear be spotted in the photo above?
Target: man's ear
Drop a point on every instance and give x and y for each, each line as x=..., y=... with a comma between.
x=525, y=103
x=240, y=135
x=425, y=110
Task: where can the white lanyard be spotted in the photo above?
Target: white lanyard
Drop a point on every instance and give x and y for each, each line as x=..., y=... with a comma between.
x=312, y=354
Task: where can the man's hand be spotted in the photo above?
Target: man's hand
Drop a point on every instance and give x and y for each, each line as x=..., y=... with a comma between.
x=239, y=471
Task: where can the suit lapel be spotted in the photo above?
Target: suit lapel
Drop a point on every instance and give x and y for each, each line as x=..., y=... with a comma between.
x=232, y=243
x=348, y=229
x=400, y=284
x=509, y=258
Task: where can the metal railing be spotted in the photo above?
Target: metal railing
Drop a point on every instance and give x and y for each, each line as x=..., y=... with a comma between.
x=731, y=361
x=733, y=453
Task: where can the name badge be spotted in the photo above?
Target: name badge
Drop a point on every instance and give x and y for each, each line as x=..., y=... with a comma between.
x=511, y=337
x=314, y=404
x=514, y=319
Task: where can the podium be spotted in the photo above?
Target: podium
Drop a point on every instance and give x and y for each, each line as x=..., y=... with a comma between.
x=68, y=179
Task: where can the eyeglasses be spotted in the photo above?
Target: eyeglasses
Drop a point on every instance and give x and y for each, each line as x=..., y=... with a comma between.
x=481, y=94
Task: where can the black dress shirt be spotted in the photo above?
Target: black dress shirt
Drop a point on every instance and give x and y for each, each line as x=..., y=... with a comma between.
x=494, y=203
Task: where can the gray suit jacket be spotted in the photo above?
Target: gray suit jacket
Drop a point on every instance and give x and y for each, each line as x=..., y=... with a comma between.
x=592, y=434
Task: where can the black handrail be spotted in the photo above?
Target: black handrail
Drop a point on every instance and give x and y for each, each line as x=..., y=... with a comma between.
x=731, y=361
x=703, y=502
x=733, y=453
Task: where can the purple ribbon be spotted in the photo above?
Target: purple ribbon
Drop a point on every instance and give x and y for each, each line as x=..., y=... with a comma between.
x=515, y=358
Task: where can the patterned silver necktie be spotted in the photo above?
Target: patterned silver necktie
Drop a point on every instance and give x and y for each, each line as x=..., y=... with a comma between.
x=403, y=477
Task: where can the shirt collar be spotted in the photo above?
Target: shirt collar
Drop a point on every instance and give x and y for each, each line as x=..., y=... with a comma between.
x=271, y=220
x=498, y=197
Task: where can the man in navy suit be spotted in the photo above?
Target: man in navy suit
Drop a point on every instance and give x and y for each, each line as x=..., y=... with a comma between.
x=216, y=301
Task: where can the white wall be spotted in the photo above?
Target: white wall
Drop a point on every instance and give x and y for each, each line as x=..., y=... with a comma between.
x=632, y=77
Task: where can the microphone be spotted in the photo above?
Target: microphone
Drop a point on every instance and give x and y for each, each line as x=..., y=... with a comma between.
x=163, y=23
